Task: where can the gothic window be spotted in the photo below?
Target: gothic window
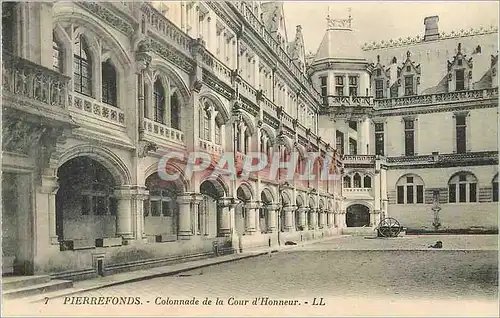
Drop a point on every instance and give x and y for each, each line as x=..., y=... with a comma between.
x=357, y=180
x=353, y=85
x=495, y=189
x=461, y=128
x=82, y=67
x=339, y=85
x=367, y=182
x=159, y=102
x=347, y=182
x=379, y=139
x=57, y=56
x=218, y=127
x=108, y=84
x=174, y=111
x=353, y=147
x=460, y=79
x=206, y=124
x=394, y=91
x=462, y=188
x=409, y=85
x=410, y=190
x=409, y=137
x=379, y=88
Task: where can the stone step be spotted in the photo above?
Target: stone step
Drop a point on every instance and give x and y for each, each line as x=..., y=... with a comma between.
x=16, y=282
x=37, y=289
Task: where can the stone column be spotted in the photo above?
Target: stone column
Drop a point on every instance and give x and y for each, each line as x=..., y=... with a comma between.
x=224, y=215
x=48, y=190
x=185, y=226
x=124, y=214
x=138, y=207
x=312, y=220
x=288, y=218
x=196, y=199
x=271, y=217
x=251, y=208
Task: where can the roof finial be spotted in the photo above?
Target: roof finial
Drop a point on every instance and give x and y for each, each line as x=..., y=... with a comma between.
x=459, y=48
x=328, y=17
x=350, y=17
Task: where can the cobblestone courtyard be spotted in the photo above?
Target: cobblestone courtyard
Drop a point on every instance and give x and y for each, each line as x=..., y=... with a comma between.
x=354, y=276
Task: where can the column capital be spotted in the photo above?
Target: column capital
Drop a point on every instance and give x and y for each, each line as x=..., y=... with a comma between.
x=49, y=185
x=227, y=202
x=252, y=205
x=131, y=191
x=302, y=209
x=189, y=197
x=289, y=208
x=273, y=207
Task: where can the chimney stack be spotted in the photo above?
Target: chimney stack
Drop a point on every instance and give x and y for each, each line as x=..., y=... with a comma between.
x=431, y=28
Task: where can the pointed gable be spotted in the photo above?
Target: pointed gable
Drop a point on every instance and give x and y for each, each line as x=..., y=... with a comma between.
x=273, y=17
x=409, y=76
x=460, y=71
x=296, y=49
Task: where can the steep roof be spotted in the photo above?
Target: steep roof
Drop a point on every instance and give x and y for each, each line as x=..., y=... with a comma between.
x=339, y=42
x=273, y=17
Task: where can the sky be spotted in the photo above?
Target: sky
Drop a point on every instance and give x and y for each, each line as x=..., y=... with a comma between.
x=376, y=21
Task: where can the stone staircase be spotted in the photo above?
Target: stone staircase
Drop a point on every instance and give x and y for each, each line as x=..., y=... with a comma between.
x=23, y=286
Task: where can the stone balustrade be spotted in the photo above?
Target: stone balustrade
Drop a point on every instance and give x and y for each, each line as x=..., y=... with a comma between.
x=335, y=101
x=97, y=110
x=163, y=132
x=366, y=159
x=23, y=78
x=468, y=95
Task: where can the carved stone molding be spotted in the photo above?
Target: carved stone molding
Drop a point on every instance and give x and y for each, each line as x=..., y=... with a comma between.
x=145, y=147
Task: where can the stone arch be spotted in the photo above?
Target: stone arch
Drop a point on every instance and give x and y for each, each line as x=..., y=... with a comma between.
x=463, y=172
x=360, y=202
x=417, y=179
x=299, y=200
x=358, y=215
x=321, y=203
x=172, y=168
x=245, y=192
x=311, y=202
x=106, y=157
x=270, y=132
x=248, y=122
x=219, y=185
x=164, y=71
x=66, y=13
x=266, y=196
x=286, y=198
x=219, y=105
x=330, y=205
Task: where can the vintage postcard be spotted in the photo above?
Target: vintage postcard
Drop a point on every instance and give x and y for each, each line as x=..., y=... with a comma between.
x=249, y=158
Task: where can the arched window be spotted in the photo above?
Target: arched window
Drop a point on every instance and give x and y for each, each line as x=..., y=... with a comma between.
x=205, y=122
x=108, y=84
x=462, y=188
x=57, y=56
x=410, y=190
x=357, y=180
x=82, y=67
x=174, y=111
x=347, y=182
x=218, y=127
x=367, y=182
x=159, y=100
x=495, y=189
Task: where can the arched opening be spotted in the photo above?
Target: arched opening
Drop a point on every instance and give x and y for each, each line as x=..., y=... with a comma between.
x=109, y=95
x=310, y=213
x=209, y=212
x=159, y=102
x=264, y=222
x=358, y=215
x=462, y=188
x=244, y=195
x=85, y=203
x=161, y=209
x=82, y=79
x=175, y=112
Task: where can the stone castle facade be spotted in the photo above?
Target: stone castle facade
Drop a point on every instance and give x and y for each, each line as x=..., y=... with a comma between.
x=90, y=108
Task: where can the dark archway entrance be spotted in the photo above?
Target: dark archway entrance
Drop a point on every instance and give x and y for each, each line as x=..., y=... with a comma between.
x=358, y=215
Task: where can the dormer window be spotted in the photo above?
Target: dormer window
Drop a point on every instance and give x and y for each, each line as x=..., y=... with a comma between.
x=459, y=80
x=409, y=85
x=459, y=62
x=353, y=85
x=379, y=88
x=408, y=68
x=379, y=72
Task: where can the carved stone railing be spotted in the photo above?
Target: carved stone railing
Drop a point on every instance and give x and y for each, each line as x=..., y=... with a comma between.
x=257, y=25
x=437, y=98
x=357, y=190
x=163, y=132
x=95, y=109
x=222, y=71
x=210, y=147
x=247, y=90
x=164, y=28
x=333, y=101
x=23, y=78
x=366, y=159
x=445, y=158
x=269, y=106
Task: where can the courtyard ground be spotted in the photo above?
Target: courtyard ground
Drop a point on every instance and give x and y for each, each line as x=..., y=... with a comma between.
x=353, y=275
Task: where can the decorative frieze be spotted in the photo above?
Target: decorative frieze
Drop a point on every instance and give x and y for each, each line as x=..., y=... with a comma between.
x=107, y=15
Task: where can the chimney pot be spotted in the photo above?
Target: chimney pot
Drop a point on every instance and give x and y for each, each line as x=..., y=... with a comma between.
x=431, y=28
